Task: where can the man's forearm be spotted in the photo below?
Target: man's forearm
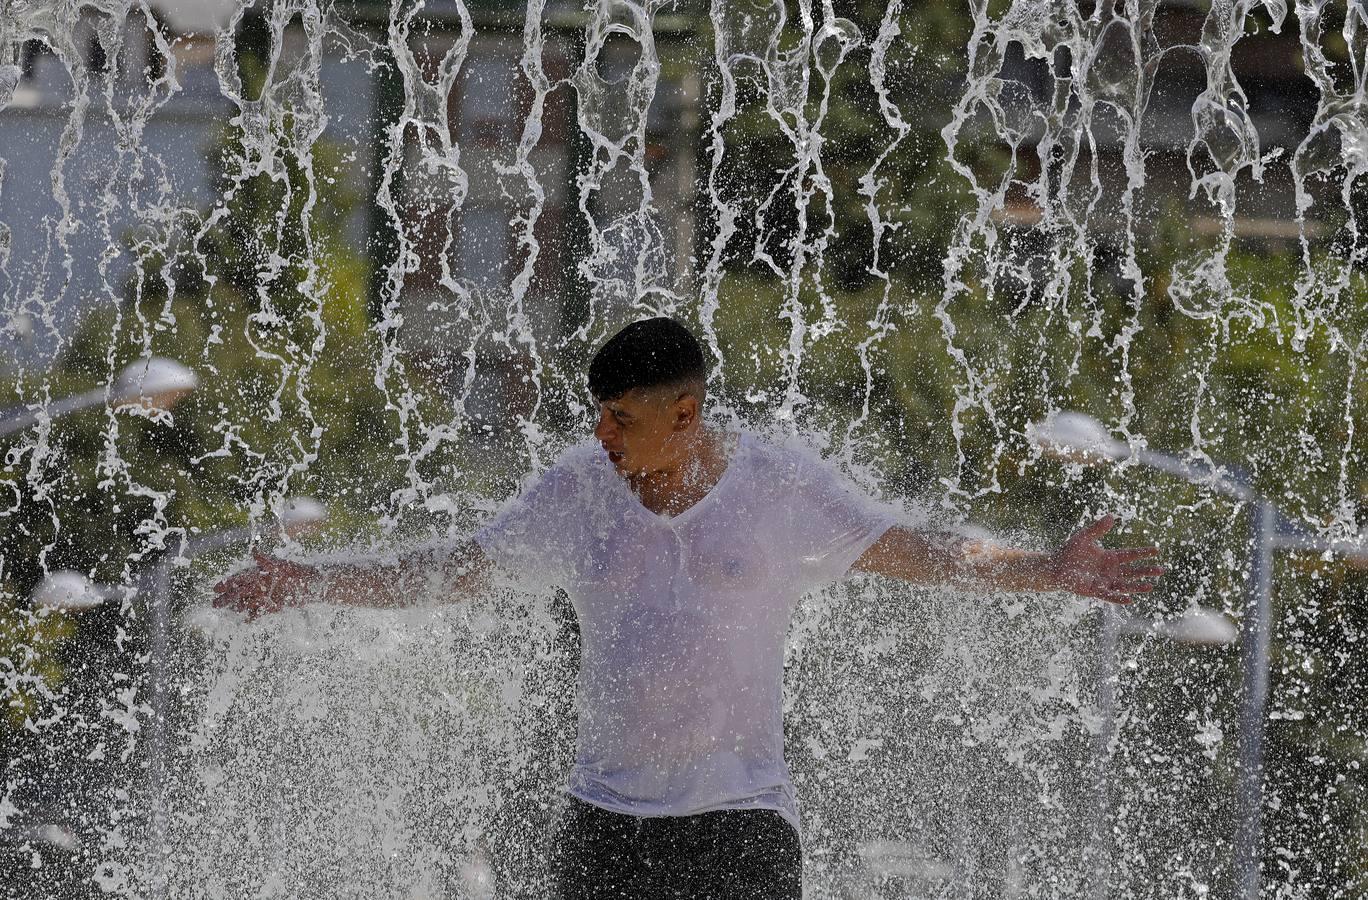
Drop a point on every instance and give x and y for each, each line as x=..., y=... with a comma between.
x=1005, y=568
x=436, y=572
x=1081, y=566
x=939, y=557
x=402, y=583
x=379, y=586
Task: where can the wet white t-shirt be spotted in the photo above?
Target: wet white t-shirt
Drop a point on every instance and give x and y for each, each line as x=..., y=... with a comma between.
x=683, y=619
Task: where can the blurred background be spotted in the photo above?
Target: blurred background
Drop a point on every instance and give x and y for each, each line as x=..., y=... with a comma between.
x=325, y=276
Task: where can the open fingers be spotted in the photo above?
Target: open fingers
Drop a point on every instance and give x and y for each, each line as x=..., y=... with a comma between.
x=1096, y=530
x=1124, y=586
x=1117, y=589
x=257, y=591
x=1120, y=598
x=248, y=592
x=1123, y=591
x=1135, y=587
x=245, y=581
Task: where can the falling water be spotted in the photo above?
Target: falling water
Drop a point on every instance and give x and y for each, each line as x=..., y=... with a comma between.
x=387, y=239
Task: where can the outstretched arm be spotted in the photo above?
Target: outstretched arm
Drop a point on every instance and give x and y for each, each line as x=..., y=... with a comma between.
x=278, y=583
x=1081, y=566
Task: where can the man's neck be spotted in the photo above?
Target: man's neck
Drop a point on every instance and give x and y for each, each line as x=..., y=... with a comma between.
x=671, y=490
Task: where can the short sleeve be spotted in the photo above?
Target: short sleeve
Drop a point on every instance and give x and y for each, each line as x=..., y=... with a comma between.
x=831, y=522
x=537, y=535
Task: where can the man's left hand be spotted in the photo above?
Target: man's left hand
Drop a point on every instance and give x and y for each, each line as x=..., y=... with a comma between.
x=1083, y=566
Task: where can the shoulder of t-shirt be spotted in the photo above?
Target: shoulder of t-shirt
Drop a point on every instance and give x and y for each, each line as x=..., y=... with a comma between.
x=784, y=462
x=574, y=466
x=581, y=455
x=792, y=466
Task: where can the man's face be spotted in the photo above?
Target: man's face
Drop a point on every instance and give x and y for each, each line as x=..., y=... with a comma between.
x=645, y=431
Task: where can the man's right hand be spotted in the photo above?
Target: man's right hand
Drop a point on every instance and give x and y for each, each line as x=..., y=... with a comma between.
x=274, y=585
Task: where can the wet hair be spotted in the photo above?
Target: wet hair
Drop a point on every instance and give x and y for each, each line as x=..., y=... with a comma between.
x=651, y=353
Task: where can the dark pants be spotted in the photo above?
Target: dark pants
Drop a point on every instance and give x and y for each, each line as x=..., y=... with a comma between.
x=734, y=854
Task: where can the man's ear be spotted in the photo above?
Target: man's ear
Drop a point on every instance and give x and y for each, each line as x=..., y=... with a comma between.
x=685, y=411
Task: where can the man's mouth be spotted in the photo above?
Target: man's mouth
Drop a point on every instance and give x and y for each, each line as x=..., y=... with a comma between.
x=613, y=456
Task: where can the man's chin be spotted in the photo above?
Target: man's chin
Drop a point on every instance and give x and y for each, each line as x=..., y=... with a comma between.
x=627, y=470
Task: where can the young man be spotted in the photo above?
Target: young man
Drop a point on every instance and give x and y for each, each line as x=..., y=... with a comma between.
x=685, y=550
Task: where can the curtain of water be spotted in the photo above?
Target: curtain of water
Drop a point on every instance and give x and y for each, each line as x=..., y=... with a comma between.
x=905, y=234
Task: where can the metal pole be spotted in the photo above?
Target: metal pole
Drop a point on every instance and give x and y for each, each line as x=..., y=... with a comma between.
x=1100, y=867
x=158, y=666
x=1254, y=652
x=158, y=625
x=18, y=418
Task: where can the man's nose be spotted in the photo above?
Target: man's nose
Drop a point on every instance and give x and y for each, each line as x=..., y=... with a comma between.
x=605, y=428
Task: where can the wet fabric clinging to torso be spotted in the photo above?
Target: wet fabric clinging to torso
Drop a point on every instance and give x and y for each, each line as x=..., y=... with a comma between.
x=683, y=619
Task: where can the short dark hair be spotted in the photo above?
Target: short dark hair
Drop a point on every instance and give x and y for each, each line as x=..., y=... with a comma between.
x=647, y=354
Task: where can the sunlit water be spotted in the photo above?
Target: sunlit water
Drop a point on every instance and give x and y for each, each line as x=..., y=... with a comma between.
x=944, y=743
